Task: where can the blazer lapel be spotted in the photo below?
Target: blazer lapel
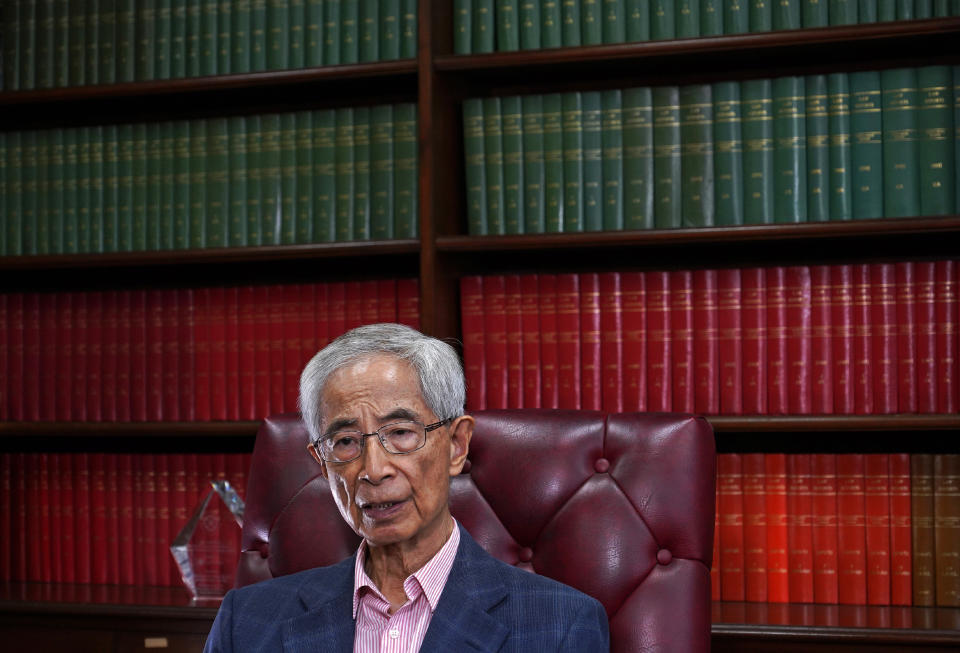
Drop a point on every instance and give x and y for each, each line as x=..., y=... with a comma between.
x=327, y=625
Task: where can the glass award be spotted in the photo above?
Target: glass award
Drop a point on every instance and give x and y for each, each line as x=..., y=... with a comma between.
x=207, y=549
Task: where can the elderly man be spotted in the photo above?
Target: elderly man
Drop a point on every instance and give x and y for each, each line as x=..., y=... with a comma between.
x=384, y=407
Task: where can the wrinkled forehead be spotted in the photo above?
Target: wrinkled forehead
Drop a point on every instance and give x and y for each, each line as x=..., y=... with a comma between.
x=380, y=379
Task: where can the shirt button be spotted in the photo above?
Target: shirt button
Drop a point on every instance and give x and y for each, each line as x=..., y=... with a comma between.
x=394, y=633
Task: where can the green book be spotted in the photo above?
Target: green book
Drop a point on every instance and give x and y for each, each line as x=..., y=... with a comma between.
x=193, y=38
x=816, y=13
x=637, y=14
x=144, y=41
x=361, y=173
x=61, y=53
x=254, y=126
x=349, y=31
x=331, y=32
x=941, y=8
x=873, y=11
x=288, y=179
x=278, y=34
x=612, y=127
x=209, y=30
x=696, y=155
x=508, y=29
x=484, y=31
x=534, y=173
x=91, y=36
x=756, y=96
x=345, y=174
x=55, y=192
x=728, y=153
x=668, y=185
x=905, y=9
x=181, y=185
x=108, y=41
x=131, y=228
x=27, y=41
x=178, y=38
x=313, y=40
x=592, y=125
x=153, y=186
x=3, y=194
x=956, y=127
x=170, y=165
x=923, y=9
x=258, y=36
x=614, y=21
x=462, y=27
x=866, y=129
x=553, y=161
x=381, y=172
x=84, y=135
x=529, y=24
x=96, y=194
x=570, y=23
x=77, y=49
x=238, y=191
x=638, y=166
x=513, y=186
x=841, y=165
x=389, y=30
x=69, y=191
x=572, y=103
x=551, y=24
x=406, y=171
x=408, y=29
x=162, y=40
x=298, y=34
x=369, y=30
x=844, y=12
x=200, y=155
x=818, y=149
x=761, y=16
x=29, y=219
x=787, y=14
x=218, y=182
x=474, y=167
x=13, y=196
x=663, y=20
x=11, y=46
x=789, y=150
x=240, y=36
x=736, y=16
x=126, y=53
x=493, y=164
x=688, y=18
x=45, y=43
x=591, y=22
x=711, y=17
x=42, y=176
x=936, y=155
x=325, y=176
x=304, y=155
x=901, y=136
x=270, y=185
x=224, y=12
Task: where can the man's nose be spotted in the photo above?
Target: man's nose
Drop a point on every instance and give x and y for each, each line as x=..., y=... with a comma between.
x=377, y=462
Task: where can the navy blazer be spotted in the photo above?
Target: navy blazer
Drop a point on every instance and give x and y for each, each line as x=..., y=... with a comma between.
x=486, y=605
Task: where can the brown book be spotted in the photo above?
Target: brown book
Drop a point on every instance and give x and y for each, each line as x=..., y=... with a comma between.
x=946, y=528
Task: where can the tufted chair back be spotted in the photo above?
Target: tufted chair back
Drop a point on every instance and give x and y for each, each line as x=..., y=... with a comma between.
x=619, y=506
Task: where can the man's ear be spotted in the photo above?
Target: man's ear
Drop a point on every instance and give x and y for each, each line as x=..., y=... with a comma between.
x=313, y=452
x=461, y=430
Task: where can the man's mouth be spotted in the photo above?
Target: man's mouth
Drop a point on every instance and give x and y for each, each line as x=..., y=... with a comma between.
x=379, y=506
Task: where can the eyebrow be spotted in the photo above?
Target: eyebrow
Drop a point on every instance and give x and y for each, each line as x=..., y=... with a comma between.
x=351, y=422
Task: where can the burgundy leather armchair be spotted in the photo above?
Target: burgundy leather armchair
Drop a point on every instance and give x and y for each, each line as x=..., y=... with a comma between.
x=619, y=506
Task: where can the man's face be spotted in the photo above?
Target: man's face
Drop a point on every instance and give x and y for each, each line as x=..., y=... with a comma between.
x=388, y=498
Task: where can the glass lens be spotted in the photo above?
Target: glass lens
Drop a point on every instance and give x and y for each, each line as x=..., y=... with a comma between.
x=403, y=437
x=342, y=445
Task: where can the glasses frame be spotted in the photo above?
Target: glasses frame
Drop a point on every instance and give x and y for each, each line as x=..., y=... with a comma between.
x=315, y=445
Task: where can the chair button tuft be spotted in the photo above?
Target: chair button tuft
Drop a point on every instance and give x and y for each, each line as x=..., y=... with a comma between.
x=264, y=550
x=664, y=556
x=466, y=466
x=525, y=554
x=602, y=465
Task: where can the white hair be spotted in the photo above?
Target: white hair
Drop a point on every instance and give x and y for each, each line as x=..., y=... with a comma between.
x=436, y=363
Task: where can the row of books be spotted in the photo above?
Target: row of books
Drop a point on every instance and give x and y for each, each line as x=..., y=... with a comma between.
x=503, y=25
x=58, y=43
x=273, y=179
x=186, y=354
x=841, y=339
x=855, y=529
x=107, y=518
x=842, y=146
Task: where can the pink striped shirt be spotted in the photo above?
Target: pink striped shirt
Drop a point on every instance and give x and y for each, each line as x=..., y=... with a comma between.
x=377, y=630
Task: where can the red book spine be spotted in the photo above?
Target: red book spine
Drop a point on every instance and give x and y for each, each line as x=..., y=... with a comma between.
x=681, y=334
x=155, y=355
x=126, y=500
x=755, y=526
x=56, y=517
x=842, y=329
x=821, y=342
x=755, y=345
x=6, y=501
x=778, y=560
x=307, y=314
x=138, y=354
x=474, y=358
x=78, y=411
x=877, y=504
x=408, y=303
x=369, y=303
x=851, y=533
x=162, y=550
x=321, y=326
x=31, y=525
x=180, y=506
x=901, y=558
x=82, y=515
x=64, y=326
x=730, y=490
x=31, y=357
x=231, y=326
x=495, y=340
x=277, y=346
x=530, y=327
x=292, y=362
x=946, y=311
x=611, y=341
x=170, y=316
x=18, y=527
x=799, y=297
x=716, y=593
x=111, y=476
x=110, y=352
x=386, y=300
x=514, y=327
x=98, y=518
x=95, y=356
x=633, y=287
x=659, y=365
x=926, y=328
x=148, y=481
x=186, y=328
x=354, y=305
x=203, y=318
x=15, y=358
x=730, y=341
x=237, y=475
x=247, y=353
x=705, y=342
x=124, y=354
x=862, y=340
x=48, y=357
x=591, y=364
x=67, y=532
x=5, y=381
x=568, y=340
x=549, y=351
x=261, y=332
x=800, y=528
x=906, y=321
x=40, y=524
x=884, y=342
x=824, y=468
x=778, y=402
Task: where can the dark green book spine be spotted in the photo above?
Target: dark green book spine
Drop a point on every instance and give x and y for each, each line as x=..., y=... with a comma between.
x=304, y=130
x=77, y=48
x=29, y=220
x=941, y=8
x=572, y=162
x=688, y=18
x=901, y=135
x=512, y=125
x=905, y=10
x=529, y=25
x=553, y=161
x=108, y=41
x=612, y=160
x=92, y=40
x=349, y=31
x=757, y=98
x=935, y=119
x=200, y=153
x=144, y=41
x=126, y=41
x=331, y=32
x=844, y=12
x=11, y=46
x=61, y=54
x=790, y=150
x=181, y=185
x=131, y=227
x=345, y=176
x=408, y=29
x=224, y=12
x=325, y=176
x=534, y=173
x=696, y=155
x=406, y=166
x=728, y=153
x=591, y=22
x=193, y=38
x=146, y=195
x=254, y=126
x=614, y=21
x=816, y=13
x=592, y=104
x=493, y=164
x=818, y=149
x=787, y=14
x=163, y=40
x=13, y=196
x=866, y=127
x=278, y=34
x=237, y=231
x=711, y=17
x=313, y=55
x=638, y=165
x=28, y=45
x=761, y=16
x=389, y=30
x=570, y=23
x=178, y=39
x=369, y=30
x=209, y=29
x=45, y=43
x=44, y=223
x=169, y=188
x=98, y=142
x=361, y=173
x=241, y=36
x=218, y=182
x=462, y=27
x=923, y=9
x=637, y=14
x=298, y=34
x=666, y=157
x=258, y=35
x=270, y=180
x=84, y=135
x=841, y=165
x=663, y=20
x=956, y=132
x=381, y=172
x=551, y=24
x=3, y=194
x=288, y=179
x=484, y=30
x=475, y=167
x=736, y=16
x=69, y=191
x=873, y=11
x=508, y=30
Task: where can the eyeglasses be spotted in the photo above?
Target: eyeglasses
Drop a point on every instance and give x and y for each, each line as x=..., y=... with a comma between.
x=396, y=438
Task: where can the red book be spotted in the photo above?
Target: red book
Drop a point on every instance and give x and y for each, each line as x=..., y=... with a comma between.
x=884, y=341
x=111, y=475
x=124, y=353
x=261, y=367
x=471, y=315
x=217, y=333
x=231, y=326
x=778, y=561
x=5, y=382
x=237, y=475
x=247, y=344
x=530, y=327
x=94, y=356
x=187, y=347
x=568, y=340
x=799, y=297
x=110, y=351
x=369, y=308
x=18, y=528
x=926, y=329
x=306, y=312
x=821, y=342
x=730, y=497
x=162, y=498
x=56, y=518
x=155, y=355
x=549, y=353
x=31, y=525
x=634, y=292
x=408, y=303
x=824, y=466
x=125, y=502
x=681, y=334
x=906, y=321
x=138, y=354
x=67, y=532
x=78, y=411
x=148, y=499
x=180, y=505
x=778, y=361
x=64, y=326
x=170, y=325
x=39, y=524
x=591, y=363
x=202, y=321
x=659, y=361
x=495, y=340
x=354, y=305
x=901, y=558
x=15, y=358
x=755, y=345
x=514, y=330
x=292, y=362
x=98, y=519
x=6, y=498
x=755, y=526
x=877, y=504
x=277, y=346
x=851, y=533
x=48, y=357
x=387, y=300
x=946, y=310
x=841, y=327
x=800, y=528
x=730, y=341
x=705, y=342
x=337, y=299
x=715, y=591
x=321, y=326
x=863, y=340
x=31, y=357
x=611, y=341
